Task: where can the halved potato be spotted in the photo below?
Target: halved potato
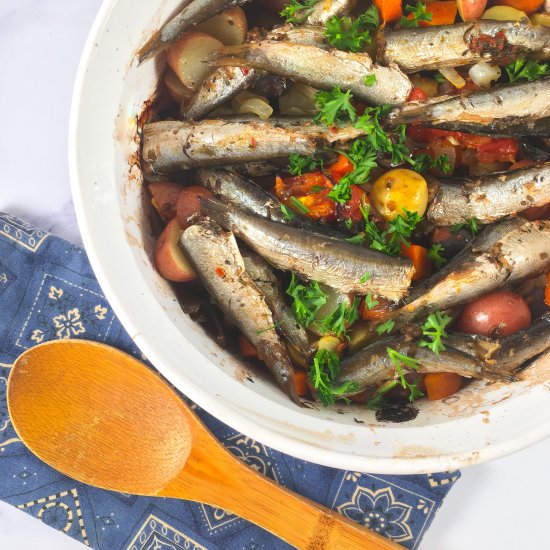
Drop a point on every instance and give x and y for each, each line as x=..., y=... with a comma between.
x=169, y=259
x=188, y=57
x=175, y=86
x=230, y=27
x=470, y=9
x=504, y=13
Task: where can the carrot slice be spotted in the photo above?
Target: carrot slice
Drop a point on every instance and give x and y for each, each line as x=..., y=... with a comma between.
x=301, y=384
x=547, y=290
x=247, y=349
x=442, y=384
x=337, y=170
x=419, y=256
x=528, y=6
x=443, y=13
x=390, y=10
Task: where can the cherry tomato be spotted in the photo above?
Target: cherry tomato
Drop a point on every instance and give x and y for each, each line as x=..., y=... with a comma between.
x=500, y=313
x=418, y=94
x=352, y=209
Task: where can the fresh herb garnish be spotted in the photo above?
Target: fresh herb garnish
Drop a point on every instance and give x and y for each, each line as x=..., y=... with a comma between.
x=398, y=360
x=300, y=206
x=307, y=300
x=316, y=189
x=370, y=80
x=370, y=302
x=341, y=318
x=377, y=400
x=296, y=12
x=287, y=212
x=364, y=278
x=386, y=327
x=526, y=69
x=334, y=107
x=262, y=330
x=323, y=372
x=299, y=164
x=471, y=224
x=348, y=223
x=434, y=254
x=419, y=13
x=434, y=330
x=350, y=35
x=439, y=78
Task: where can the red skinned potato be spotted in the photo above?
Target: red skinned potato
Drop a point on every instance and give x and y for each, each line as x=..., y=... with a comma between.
x=230, y=26
x=189, y=55
x=189, y=203
x=471, y=9
x=164, y=197
x=169, y=259
x=497, y=314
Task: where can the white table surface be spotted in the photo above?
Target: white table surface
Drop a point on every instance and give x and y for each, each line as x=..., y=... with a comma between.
x=498, y=505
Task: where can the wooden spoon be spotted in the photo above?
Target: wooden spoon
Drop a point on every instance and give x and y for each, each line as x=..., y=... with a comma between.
x=100, y=416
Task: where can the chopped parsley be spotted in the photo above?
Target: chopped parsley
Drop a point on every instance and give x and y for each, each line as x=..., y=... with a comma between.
x=434, y=254
x=350, y=35
x=296, y=12
x=370, y=80
x=323, y=372
x=364, y=278
x=334, y=107
x=299, y=205
x=471, y=224
x=377, y=400
x=287, y=212
x=398, y=360
x=526, y=69
x=418, y=12
x=307, y=300
x=299, y=164
x=262, y=330
x=341, y=318
x=434, y=330
x=370, y=302
x=386, y=327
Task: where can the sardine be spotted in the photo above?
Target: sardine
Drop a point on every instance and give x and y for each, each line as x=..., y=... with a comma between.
x=508, y=251
x=334, y=262
x=192, y=14
x=489, y=198
x=216, y=257
x=321, y=68
x=372, y=366
x=323, y=10
x=171, y=147
x=266, y=280
x=219, y=87
x=517, y=109
x=425, y=48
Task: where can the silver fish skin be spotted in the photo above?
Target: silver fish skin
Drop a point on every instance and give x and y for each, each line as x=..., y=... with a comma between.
x=246, y=195
x=517, y=109
x=266, y=280
x=323, y=10
x=372, y=366
x=309, y=35
x=490, y=197
x=213, y=251
x=170, y=147
x=219, y=87
x=426, y=48
x=192, y=14
x=322, y=69
x=312, y=256
x=508, y=251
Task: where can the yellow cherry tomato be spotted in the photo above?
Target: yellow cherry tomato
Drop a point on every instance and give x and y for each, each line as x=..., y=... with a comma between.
x=399, y=190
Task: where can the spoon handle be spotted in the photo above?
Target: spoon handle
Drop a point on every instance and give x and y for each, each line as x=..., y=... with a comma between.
x=221, y=480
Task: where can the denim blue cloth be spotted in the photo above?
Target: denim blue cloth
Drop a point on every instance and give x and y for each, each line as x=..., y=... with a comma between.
x=48, y=291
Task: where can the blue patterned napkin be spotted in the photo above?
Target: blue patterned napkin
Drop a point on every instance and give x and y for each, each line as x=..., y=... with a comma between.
x=47, y=291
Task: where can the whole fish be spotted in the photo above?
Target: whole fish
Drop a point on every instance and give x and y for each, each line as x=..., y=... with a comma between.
x=220, y=266
x=489, y=198
x=312, y=256
x=321, y=68
x=225, y=82
x=323, y=10
x=426, y=48
x=192, y=14
x=372, y=366
x=508, y=251
x=517, y=109
x=171, y=147
x=266, y=280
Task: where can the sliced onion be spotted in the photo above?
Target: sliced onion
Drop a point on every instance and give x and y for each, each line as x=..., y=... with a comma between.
x=482, y=168
x=257, y=107
x=482, y=74
x=453, y=77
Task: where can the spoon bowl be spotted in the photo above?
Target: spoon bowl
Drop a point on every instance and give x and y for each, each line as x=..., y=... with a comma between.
x=100, y=416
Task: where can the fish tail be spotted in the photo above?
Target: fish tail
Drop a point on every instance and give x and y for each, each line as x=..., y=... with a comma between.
x=153, y=46
x=215, y=210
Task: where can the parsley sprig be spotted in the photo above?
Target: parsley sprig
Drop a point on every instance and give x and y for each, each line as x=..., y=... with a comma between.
x=341, y=318
x=299, y=164
x=323, y=372
x=307, y=300
x=399, y=360
x=377, y=401
x=526, y=69
x=296, y=12
x=471, y=224
x=334, y=107
x=419, y=13
x=350, y=35
x=434, y=254
x=434, y=330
